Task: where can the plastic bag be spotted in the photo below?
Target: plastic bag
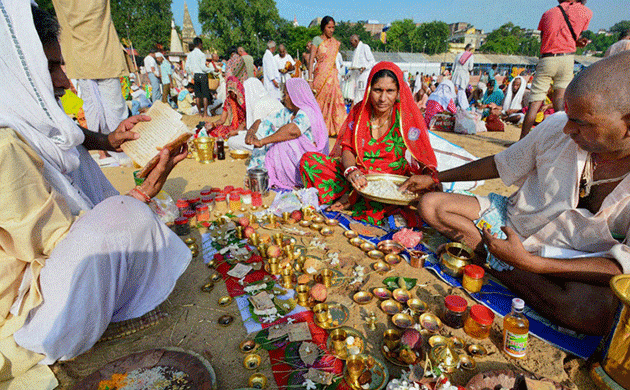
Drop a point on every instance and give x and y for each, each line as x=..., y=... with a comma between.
x=295, y=200
x=165, y=208
x=468, y=122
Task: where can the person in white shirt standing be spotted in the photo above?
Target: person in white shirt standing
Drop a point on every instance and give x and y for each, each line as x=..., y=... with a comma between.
x=271, y=74
x=153, y=71
x=462, y=66
x=282, y=59
x=362, y=63
x=196, y=65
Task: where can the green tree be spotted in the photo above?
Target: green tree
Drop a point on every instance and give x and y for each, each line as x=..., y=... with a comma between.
x=504, y=40
x=344, y=30
x=247, y=23
x=295, y=38
x=399, y=35
x=621, y=28
x=146, y=22
x=431, y=37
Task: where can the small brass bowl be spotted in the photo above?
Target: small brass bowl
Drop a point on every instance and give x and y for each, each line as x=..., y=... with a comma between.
x=402, y=320
x=381, y=267
x=257, y=381
x=252, y=361
x=375, y=254
x=326, y=231
x=362, y=297
x=457, y=342
x=239, y=154
x=216, y=277
x=438, y=340
x=467, y=363
x=390, y=246
x=317, y=226
x=417, y=305
x=318, y=219
x=225, y=320
x=393, y=258
x=243, y=209
x=456, y=256
x=382, y=293
x=391, y=307
x=332, y=222
x=356, y=241
x=476, y=350
x=207, y=287
x=225, y=300
x=248, y=346
x=194, y=253
x=430, y=322
x=190, y=240
x=212, y=263
x=350, y=234
x=367, y=246
x=401, y=295
x=305, y=223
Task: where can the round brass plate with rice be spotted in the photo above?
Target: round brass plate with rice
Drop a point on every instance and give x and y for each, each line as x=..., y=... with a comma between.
x=383, y=188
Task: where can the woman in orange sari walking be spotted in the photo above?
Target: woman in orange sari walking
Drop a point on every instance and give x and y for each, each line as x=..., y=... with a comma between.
x=325, y=80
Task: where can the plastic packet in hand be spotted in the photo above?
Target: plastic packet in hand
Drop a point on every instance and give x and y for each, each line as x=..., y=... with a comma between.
x=164, y=206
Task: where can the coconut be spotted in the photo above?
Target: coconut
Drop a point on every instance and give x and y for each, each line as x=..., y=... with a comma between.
x=274, y=251
x=319, y=292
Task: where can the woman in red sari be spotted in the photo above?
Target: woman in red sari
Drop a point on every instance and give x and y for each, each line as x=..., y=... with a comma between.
x=233, y=117
x=385, y=133
x=325, y=80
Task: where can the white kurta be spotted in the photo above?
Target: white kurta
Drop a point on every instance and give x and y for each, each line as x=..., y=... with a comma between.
x=282, y=63
x=362, y=58
x=271, y=74
x=547, y=166
x=461, y=73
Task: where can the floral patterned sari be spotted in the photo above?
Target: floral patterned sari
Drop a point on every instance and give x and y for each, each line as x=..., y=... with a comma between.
x=326, y=85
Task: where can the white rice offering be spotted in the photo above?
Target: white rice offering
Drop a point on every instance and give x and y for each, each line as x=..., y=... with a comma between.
x=386, y=189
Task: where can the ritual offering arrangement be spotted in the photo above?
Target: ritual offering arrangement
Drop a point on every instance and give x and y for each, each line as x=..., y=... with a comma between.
x=385, y=188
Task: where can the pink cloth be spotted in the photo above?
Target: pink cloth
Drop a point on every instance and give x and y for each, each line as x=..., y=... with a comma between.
x=465, y=56
x=283, y=158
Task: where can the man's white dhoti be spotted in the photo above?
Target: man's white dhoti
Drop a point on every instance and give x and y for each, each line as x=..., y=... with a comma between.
x=129, y=267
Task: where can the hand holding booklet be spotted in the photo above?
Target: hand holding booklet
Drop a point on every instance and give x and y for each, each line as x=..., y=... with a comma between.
x=164, y=130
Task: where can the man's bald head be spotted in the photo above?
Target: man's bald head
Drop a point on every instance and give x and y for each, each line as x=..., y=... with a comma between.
x=605, y=83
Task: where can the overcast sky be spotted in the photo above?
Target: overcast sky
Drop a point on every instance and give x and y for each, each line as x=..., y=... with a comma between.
x=483, y=14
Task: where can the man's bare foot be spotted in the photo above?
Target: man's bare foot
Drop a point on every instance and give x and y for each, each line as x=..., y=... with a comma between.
x=342, y=204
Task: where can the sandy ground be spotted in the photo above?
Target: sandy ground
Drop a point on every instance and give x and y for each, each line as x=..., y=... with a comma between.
x=192, y=321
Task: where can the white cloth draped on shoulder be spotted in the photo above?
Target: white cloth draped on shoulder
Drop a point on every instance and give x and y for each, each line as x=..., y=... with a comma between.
x=514, y=101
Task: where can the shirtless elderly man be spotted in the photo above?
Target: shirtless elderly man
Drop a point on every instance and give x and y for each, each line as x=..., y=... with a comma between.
x=574, y=196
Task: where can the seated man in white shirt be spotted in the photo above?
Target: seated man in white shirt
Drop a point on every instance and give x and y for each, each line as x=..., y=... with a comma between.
x=559, y=239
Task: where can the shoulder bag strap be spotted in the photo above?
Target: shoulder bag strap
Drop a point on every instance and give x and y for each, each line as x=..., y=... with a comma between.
x=566, y=19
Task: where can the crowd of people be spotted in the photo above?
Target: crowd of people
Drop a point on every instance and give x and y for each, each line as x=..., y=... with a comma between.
x=571, y=171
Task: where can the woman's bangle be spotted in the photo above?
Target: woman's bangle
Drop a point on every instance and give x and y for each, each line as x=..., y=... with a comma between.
x=145, y=198
x=349, y=170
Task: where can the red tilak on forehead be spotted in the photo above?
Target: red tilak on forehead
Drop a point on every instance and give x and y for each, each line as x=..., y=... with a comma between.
x=565, y=106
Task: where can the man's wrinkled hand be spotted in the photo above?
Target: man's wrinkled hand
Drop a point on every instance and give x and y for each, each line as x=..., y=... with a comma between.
x=510, y=250
x=123, y=132
x=418, y=184
x=155, y=179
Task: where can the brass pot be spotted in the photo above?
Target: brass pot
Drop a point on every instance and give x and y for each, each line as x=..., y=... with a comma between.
x=455, y=257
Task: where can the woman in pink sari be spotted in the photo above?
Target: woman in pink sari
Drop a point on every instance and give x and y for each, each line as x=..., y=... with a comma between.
x=281, y=139
x=325, y=81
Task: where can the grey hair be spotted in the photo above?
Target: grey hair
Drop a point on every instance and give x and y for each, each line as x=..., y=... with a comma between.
x=271, y=44
x=355, y=36
x=46, y=25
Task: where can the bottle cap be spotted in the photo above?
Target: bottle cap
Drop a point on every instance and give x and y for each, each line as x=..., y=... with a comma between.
x=195, y=199
x=181, y=221
x=455, y=303
x=482, y=314
x=202, y=207
x=227, y=189
x=188, y=214
x=206, y=199
x=205, y=192
x=235, y=196
x=474, y=271
x=518, y=303
x=182, y=203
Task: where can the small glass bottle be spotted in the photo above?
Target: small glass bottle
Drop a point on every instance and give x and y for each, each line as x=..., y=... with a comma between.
x=182, y=205
x=203, y=193
x=257, y=199
x=220, y=149
x=194, y=202
x=455, y=309
x=189, y=214
x=220, y=204
x=247, y=197
x=473, y=278
x=228, y=189
x=479, y=322
x=203, y=213
x=182, y=227
x=515, y=331
x=235, y=202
